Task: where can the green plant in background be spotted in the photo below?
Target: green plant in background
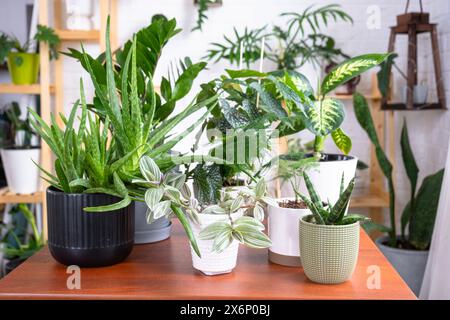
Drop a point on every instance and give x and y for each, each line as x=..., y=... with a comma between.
x=20, y=132
x=15, y=247
x=329, y=214
x=201, y=13
x=8, y=43
x=247, y=230
x=300, y=43
x=420, y=212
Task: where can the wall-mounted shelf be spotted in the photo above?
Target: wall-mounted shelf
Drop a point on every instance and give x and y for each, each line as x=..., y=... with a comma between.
x=416, y=107
x=78, y=35
x=6, y=88
x=350, y=97
x=7, y=196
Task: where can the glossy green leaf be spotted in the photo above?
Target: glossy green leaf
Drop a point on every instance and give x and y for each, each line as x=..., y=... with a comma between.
x=324, y=116
x=342, y=141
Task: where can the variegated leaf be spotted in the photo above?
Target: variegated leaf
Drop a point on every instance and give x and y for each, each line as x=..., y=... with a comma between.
x=212, y=230
x=248, y=222
x=223, y=239
x=260, y=188
x=350, y=69
x=162, y=209
x=153, y=197
x=258, y=212
x=325, y=116
x=270, y=201
x=236, y=204
x=149, y=169
x=342, y=141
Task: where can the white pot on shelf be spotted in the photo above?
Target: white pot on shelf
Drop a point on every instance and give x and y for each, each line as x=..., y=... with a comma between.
x=420, y=94
x=22, y=175
x=79, y=14
x=213, y=263
x=283, y=231
x=326, y=175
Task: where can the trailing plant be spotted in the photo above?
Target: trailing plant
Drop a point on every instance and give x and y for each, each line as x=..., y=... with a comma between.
x=22, y=247
x=420, y=212
x=328, y=214
x=20, y=132
x=294, y=46
x=8, y=43
x=245, y=229
x=203, y=6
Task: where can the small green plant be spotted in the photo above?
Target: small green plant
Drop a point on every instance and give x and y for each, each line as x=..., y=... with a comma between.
x=420, y=212
x=20, y=131
x=17, y=248
x=46, y=34
x=245, y=229
x=293, y=46
x=329, y=214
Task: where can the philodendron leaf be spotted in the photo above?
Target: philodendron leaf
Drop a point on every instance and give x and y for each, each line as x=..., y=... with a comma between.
x=342, y=141
x=324, y=116
x=350, y=69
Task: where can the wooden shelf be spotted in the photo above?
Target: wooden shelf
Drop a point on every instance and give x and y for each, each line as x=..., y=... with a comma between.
x=350, y=97
x=416, y=107
x=369, y=201
x=78, y=35
x=22, y=88
x=7, y=196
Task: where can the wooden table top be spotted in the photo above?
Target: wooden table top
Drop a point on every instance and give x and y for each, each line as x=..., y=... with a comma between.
x=164, y=271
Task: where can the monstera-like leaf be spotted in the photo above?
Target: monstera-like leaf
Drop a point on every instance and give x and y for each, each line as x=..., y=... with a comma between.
x=350, y=69
x=324, y=116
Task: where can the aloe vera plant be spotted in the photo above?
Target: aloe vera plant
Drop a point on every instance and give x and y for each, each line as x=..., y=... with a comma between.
x=420, y=212
x=329, y=214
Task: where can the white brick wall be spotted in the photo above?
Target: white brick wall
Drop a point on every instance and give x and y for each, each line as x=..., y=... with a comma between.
x=429, y=130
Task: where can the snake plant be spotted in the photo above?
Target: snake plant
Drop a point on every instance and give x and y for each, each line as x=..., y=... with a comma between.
x=420, y=212
x=329, y=214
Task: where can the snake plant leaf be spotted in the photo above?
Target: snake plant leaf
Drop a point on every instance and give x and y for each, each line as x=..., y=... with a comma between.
x=422, y=219
x=352, y=218
x=342, y=141
x=371, y=226
x=153, y=196
x=342, y=186
x=245, y=73
x=314, y=196
x=412, y=171
x=349, y=70
x=339, y=208
x=324, y=116
x=212, y=230
x=405, y=218
x=314, y=210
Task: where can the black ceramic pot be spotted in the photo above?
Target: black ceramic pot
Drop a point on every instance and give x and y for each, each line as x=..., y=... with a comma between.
x=88, y=239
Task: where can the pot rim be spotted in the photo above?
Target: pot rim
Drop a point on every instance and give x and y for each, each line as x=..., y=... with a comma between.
x=379, y=241
x=55, y=191
x=290, y=209
x=21, y=148
x=328, y=226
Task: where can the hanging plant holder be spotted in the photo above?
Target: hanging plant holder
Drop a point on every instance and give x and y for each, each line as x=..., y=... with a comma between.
x=412, y=24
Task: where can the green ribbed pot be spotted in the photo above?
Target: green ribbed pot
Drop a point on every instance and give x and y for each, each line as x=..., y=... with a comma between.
x=328, y=253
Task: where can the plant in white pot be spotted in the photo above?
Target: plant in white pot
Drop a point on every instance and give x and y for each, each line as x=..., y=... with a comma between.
x=408, y=252
x=19, y=151
x=329, y=238
x=225, y=224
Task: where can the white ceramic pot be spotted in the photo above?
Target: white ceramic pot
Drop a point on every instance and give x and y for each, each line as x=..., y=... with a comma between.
x=79, y=13
x=420, y=94
x=213, y=263
x=326, y=176
x=22, y=175
x=283, y=231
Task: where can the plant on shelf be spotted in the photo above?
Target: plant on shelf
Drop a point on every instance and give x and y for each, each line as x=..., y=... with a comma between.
x=293, y=46
x=18, y=149
x=24, y=66
x=418, y=214
x=223, y=225
x=18, y=246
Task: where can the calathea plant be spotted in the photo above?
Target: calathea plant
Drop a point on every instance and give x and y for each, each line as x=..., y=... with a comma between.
x=420, y=212
x=326, y=213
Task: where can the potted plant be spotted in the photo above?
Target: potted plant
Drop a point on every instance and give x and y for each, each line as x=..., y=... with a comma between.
x=223, y=225
x=156, y=107
x=408, y=252
x=18, y=246
x=24, y=66
x=329, y=239
x=18, y=152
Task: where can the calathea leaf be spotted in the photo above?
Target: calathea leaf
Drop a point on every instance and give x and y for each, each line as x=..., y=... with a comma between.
x=324, y=116
x=350, y=69
x=342, y=141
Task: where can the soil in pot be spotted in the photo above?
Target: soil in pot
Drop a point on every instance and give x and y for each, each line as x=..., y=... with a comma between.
x=88, y=239
x=292, y=204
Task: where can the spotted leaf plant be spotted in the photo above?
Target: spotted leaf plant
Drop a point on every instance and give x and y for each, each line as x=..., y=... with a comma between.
x=243, y=228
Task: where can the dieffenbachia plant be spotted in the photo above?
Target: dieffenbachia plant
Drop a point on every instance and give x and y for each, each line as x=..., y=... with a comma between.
x=329, y=214
x=245, y=229
x=420, y=212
